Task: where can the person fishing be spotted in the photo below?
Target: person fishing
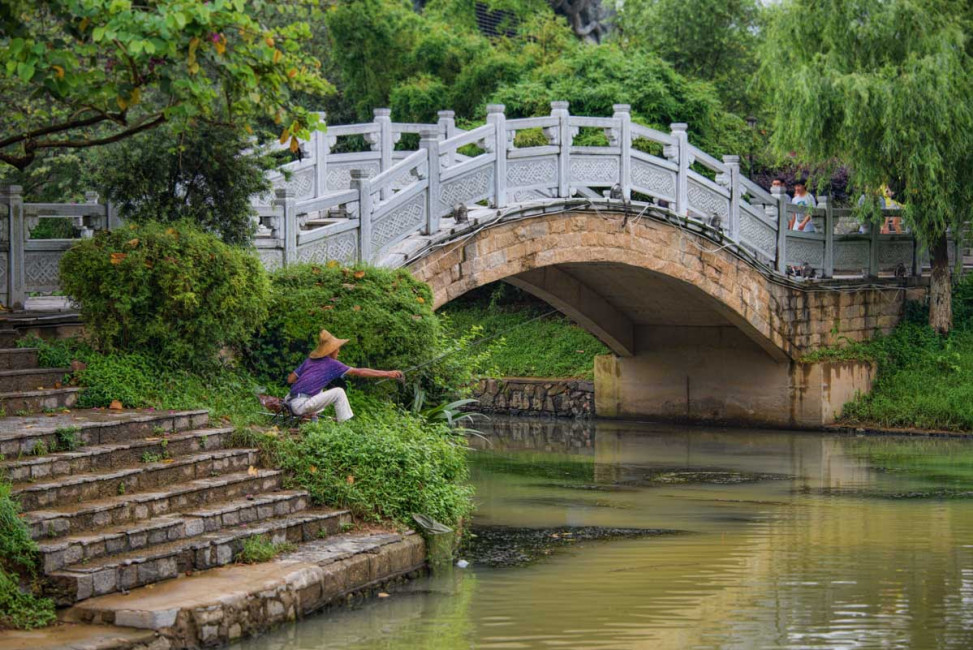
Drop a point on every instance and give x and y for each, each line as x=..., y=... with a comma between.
x=309, y=381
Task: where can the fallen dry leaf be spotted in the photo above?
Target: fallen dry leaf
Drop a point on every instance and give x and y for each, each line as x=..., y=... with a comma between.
x=348, y=285
x=252, y=471
x=350, y=480
x=356, y=308
x=420, y=300
x=118, y=258
x=359, y=275
x=332, y=264
x=115, y=405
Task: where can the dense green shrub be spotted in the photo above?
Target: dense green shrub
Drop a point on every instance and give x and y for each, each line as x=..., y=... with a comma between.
x=384, y=463
x=386, y=315
x=206, y=176
x=19, y=606
x=169, y=291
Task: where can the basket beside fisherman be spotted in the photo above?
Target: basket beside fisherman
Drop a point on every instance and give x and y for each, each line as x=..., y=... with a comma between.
x=309, y=382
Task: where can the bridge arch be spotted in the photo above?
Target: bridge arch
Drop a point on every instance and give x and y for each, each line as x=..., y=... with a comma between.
x=612, y=273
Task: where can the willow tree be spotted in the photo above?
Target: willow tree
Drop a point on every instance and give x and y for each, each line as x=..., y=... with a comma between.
x=887, y=87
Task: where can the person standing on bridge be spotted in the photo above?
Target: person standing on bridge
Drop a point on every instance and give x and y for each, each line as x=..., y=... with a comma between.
x=308, y=382
x=802, y=198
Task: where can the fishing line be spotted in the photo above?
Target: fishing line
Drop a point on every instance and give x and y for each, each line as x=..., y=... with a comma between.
x=474, y=344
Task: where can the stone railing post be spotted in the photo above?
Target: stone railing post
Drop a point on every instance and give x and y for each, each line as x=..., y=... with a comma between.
x=496, y=117
x=825, y=202
x=874, y=231
x=679, y=153
x=430, y=142
x=360, y=182
x=447, y=129
x=564, y=138
x=321, y=147
x=782, y=202
x=916, y=257
x=92, y=223
x=12, y=195
x=736, y=195
x=623, y=113
x=383, y=117
x=288, y=227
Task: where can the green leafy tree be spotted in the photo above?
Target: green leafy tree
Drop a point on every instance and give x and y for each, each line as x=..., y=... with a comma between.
x=83, y=73
x=714, y=40
x=593, y=77
x=887, y=87
x=206, y=176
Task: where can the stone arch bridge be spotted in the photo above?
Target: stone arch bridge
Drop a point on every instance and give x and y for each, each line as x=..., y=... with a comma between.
x=671, y=256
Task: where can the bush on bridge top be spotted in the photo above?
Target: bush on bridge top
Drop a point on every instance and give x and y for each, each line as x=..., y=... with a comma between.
x=167, y=290
x=386, y=315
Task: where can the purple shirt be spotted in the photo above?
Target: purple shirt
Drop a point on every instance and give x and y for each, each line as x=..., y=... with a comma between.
x=315, y=374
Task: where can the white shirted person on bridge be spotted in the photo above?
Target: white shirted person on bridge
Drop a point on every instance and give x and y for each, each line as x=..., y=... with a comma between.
x=308, y=382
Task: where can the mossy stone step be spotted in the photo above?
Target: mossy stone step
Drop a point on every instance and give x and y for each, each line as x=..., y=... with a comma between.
x=32, y=379
x=168, y=528
x=140, y=506
x=21, y=435
x=156, y=563
x=80, y=488
x=107, y=457
x=36, y=401
x=18, y=358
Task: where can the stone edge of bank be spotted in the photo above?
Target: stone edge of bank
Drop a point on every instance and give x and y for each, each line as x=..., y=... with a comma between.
x=226, y=604
x=550, y=397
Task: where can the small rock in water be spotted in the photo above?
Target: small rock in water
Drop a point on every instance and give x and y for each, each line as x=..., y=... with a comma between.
x=462, y=564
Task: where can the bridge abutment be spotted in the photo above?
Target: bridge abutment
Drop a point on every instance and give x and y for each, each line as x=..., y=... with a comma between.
x=717, y=374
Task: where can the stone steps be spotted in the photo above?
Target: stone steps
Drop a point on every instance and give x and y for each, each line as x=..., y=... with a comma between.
x=164, y=561
x=35, y=401
x=80, y=488
x=20, y=435
x=27, y=379
x=107, y=457
x=140, y=506
x=18, y=358
x=168, y=528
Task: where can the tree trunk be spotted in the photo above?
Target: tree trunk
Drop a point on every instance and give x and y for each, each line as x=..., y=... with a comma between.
x=940, y=287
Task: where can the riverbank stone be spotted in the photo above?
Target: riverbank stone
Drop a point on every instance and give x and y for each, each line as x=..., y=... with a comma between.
x=227, y=603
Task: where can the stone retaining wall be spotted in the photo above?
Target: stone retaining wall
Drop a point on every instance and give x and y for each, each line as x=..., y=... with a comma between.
x=536, y=396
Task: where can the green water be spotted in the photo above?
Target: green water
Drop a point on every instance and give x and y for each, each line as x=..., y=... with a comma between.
x=789, y=540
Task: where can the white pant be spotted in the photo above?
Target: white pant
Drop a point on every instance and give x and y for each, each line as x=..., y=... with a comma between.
x=302, y=404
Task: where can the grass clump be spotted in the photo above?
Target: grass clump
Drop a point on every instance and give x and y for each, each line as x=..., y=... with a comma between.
x=551, y=346
x=383, y=464
x=20, y=605
x=142, y=381
x=924, y=380
x=258, y=549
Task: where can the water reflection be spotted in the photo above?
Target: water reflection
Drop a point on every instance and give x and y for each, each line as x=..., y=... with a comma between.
x=805, y=551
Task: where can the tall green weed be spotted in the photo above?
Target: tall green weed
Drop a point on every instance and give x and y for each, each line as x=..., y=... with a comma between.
x=20, y=607
x=383, y=464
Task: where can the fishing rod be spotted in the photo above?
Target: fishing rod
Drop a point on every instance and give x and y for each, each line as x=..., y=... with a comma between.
x=472, y=345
